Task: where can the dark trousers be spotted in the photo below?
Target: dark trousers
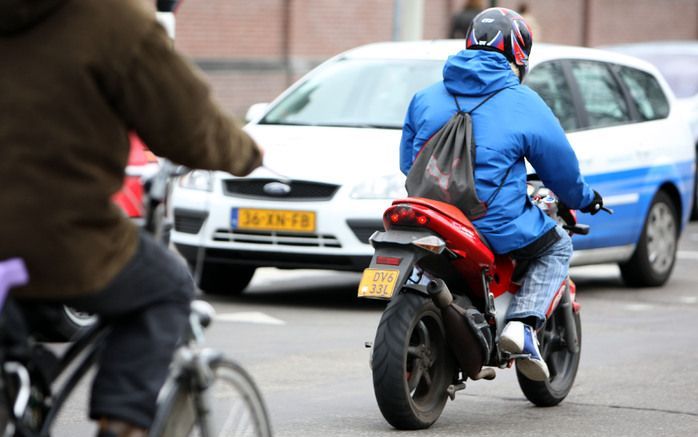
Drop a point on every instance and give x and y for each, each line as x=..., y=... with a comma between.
x=147, y=306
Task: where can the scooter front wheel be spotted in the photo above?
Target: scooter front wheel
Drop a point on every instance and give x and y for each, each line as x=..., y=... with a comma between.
x=562, y=362
x=412, y=365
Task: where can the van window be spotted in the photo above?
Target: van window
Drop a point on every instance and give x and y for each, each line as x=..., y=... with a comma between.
x=549, y=82
x=648, y=97
x=602, y=97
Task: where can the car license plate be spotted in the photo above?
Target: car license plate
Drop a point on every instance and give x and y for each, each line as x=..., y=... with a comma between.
x=378, y=284
x=272, y=220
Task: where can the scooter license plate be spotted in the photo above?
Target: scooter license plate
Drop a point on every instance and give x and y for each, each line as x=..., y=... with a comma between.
x=378, y=283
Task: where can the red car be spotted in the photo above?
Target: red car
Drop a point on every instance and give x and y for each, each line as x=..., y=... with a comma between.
x=141, y=162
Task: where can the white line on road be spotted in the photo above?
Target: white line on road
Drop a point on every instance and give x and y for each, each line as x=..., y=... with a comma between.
x=687, y=254
x=249, y=317
x=639, y=307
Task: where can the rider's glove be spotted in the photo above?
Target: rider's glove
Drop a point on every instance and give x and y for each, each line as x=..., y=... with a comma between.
x=595, y=205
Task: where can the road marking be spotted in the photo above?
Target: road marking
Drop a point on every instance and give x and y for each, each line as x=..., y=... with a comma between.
x=687, y=254
x=688, y=299
x=250, y=317
x=639, y=307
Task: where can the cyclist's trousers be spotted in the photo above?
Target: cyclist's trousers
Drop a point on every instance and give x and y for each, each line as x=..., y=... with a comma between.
x=147, y=305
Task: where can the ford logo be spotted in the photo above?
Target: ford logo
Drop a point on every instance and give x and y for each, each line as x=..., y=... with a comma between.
x=277, y=189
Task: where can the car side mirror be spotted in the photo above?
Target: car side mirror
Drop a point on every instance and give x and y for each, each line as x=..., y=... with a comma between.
x=256, y=111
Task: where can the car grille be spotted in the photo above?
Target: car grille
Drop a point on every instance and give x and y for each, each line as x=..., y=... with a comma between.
x=189, y=221
x=276, y=238
x=363, y=229
x=297, y=190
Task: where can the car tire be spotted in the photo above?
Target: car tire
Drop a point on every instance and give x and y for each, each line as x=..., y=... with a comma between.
x=56, y=322
x=694, y=210
x=224, y=279
x=655, y=255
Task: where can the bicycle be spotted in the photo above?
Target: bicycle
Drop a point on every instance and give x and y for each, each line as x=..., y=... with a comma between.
x=205, y=394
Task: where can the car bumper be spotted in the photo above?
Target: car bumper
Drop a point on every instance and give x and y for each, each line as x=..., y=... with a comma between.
x=275, y=259
x=339, y=242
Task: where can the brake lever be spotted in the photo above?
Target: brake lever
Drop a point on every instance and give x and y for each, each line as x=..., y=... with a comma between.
x=607, y=210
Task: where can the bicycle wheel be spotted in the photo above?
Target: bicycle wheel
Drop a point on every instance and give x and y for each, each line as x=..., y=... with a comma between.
x=231, y=406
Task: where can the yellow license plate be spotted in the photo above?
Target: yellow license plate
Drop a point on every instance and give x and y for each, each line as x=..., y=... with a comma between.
x=272, y=220
x=378, y=284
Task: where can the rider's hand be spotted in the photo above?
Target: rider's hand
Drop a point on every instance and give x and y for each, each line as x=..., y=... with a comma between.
x=595, y=205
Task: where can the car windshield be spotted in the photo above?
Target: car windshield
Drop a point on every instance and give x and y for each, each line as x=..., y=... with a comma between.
x=680, y=71
x=356, y=93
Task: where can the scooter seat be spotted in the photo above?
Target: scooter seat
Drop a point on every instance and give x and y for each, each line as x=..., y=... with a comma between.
x=448, y=210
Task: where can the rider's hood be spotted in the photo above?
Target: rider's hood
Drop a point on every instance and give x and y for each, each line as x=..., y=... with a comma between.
x=17, y=15
x=477, y=73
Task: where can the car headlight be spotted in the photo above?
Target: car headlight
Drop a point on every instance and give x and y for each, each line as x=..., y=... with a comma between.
x=197, y=180
x=382, y=187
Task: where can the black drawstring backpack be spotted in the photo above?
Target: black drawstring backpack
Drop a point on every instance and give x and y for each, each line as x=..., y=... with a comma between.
x=445, y=167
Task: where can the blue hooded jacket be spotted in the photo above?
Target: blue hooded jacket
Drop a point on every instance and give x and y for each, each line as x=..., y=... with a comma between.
x=513, y=125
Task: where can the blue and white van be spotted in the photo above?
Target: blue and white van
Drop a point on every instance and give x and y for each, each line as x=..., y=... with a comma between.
x=332, y=141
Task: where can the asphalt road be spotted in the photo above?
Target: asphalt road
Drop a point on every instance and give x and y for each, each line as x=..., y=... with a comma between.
x=301, y=335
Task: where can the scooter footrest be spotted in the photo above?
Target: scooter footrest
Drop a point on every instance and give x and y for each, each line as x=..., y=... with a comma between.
x=520, y=356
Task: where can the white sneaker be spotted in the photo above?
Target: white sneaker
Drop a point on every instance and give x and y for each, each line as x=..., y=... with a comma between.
x=519, y=338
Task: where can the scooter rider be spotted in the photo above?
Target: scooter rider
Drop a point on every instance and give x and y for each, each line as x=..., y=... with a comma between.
x=514, y=124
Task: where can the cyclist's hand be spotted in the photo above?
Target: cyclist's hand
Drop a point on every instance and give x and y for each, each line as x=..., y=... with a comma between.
x=260, y=157
x=595, y=206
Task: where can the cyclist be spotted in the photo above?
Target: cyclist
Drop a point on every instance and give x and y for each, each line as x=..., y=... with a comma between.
x=514, y=124
x=79, y=74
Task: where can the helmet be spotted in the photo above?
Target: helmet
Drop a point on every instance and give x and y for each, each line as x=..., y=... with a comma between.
x=504, y=31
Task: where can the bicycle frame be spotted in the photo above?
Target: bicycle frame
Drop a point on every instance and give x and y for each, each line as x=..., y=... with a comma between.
x=83, y=352
x=191, y=363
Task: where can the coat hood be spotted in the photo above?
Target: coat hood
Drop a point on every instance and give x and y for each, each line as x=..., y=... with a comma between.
x=477, y=73
x=17, y=15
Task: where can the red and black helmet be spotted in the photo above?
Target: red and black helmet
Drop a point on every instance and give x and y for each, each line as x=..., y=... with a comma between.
x=504, y=31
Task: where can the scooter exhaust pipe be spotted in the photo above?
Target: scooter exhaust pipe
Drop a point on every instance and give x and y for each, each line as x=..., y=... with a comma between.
x=463, y=334
x=440, y=293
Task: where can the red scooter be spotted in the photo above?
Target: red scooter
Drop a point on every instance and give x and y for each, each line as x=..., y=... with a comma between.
x=449, y=295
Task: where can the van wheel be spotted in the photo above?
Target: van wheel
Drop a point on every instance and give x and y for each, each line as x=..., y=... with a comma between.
x=654, y=257
x=225, y=279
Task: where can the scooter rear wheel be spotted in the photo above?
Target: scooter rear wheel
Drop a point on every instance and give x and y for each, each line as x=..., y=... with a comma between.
x=412, y=366
x=562, y=362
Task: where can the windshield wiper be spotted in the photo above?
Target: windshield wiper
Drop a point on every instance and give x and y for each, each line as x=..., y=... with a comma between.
x=362, y=125
x=288, y=123
x=356, y=125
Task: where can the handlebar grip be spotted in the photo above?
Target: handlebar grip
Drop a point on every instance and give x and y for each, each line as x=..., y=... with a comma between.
x=579, y=228
x=167, y=5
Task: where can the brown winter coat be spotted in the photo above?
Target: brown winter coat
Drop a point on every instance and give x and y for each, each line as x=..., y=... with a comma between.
x=75, y=77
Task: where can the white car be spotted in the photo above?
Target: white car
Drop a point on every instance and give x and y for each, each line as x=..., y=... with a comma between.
x=332, y=144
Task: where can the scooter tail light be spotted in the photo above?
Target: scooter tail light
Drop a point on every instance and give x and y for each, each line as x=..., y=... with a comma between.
x=404, y=215
x=388, y=260
x=431, y=243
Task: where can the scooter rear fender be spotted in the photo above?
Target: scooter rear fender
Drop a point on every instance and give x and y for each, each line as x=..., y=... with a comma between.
x=398, y=244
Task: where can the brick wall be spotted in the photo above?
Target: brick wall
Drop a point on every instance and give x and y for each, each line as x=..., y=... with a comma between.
x=252, y=49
